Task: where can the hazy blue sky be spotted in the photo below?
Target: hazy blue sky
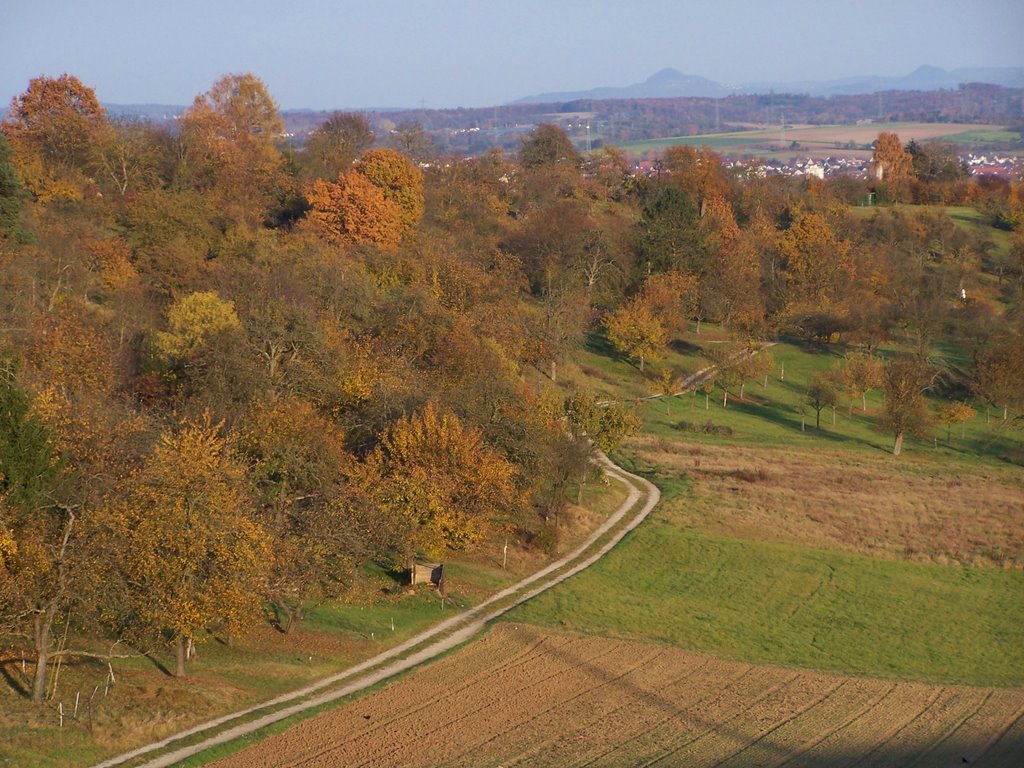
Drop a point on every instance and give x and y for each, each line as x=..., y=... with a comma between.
x=446, y=53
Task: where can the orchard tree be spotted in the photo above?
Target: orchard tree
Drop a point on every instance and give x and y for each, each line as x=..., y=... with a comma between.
x=955, y=413
x=822, y=392
x=861, y=374
x=193, y=555
x=635, y=331
x=999, y=372
x=905, y=411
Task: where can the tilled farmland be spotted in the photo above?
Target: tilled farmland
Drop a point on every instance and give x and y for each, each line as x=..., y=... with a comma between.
x=522, y=696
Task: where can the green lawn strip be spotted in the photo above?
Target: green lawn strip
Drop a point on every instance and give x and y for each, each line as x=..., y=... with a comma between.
x=798, y=606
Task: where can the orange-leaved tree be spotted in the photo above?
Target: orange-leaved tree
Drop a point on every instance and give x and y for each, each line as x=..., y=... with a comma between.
x=54, y=127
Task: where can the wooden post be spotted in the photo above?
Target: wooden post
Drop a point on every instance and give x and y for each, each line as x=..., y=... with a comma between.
x=504, y=555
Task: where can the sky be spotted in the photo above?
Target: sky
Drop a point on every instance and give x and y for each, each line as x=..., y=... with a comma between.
x=345, y=54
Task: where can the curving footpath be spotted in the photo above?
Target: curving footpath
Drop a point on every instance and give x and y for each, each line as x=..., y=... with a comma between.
x=423, y=647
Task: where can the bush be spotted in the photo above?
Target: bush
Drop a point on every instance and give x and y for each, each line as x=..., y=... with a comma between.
x=707, y=428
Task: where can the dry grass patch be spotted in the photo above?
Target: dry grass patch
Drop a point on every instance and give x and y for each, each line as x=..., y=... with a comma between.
x=912, y=509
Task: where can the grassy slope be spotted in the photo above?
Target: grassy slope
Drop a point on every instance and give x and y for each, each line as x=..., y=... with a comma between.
x=785, y=602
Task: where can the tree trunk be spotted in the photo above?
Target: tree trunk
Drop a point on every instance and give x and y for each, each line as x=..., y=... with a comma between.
x=180, y=647
x=899, y=444
x=833, y=415
x=42, y=636
x=707, y=401
x=864, y=401
x=554, y=370
x=641, y=363
x=742, y=387
x=725, y=398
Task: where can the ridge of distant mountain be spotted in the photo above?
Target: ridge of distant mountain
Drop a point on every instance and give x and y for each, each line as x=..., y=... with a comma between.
x=671, y=83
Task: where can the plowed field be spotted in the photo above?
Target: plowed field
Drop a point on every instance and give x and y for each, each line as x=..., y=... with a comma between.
x=523, y=696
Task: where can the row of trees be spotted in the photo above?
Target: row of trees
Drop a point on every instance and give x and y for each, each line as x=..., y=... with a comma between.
x=233, y=371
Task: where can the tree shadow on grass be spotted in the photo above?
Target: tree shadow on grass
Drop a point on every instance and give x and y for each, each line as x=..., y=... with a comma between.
x=157, y=663
x=13, y=682
x=789, y=419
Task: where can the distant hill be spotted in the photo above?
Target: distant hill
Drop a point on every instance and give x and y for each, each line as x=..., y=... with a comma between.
x=671, y=83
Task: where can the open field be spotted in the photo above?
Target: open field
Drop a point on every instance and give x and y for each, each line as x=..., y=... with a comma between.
x=822, y=140
x=528, y=697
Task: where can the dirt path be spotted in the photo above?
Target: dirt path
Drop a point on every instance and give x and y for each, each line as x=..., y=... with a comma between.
x=642, y=498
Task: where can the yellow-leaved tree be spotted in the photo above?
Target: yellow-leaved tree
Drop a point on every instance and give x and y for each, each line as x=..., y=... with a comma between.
x=438, y=483
x=192, y=320
x=194, y=557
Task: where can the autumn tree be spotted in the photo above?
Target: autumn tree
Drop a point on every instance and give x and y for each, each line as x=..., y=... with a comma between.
x=192, y=321
x=999, y=372
x=697, y=171
x=380, y=201
x=955, y=413
x=354, y=210
x=548, y=145
x=861, y=374
x=230, y=136
x=439, y=483
x=401, y=182
x=193, y=555
x=128, y=157
x=54, y=127
x=297, y=459
x=892, y=165
x=330, y=150
x=905, y=410
x=635, y=331
x=606, y=424
x=819, y=265
x=823, y=391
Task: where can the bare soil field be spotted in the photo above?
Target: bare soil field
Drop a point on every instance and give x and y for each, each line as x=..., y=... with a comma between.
x=916, y=510
x=522, y=696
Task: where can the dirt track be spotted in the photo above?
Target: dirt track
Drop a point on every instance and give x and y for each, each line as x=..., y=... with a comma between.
x=523, y=696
